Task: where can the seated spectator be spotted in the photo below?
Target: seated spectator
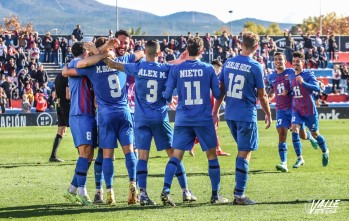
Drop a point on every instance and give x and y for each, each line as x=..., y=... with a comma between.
x=169, y=55
x=316, y=57
x=11, y=67
x=46, y=90
x=344, y=78
x=51, y=101
x=321, y=97
x=22, y=60
x=3, y=99
x=3, y=50
x=34, y=53
x=220, y=55
x=322, y=58
x=30, y=94
x=311, y=62
x=41, y=103
x=25, y=104
x=161, y=57
x=8, y=86
x=261, y=61
x=69, y=55
x=336, y=76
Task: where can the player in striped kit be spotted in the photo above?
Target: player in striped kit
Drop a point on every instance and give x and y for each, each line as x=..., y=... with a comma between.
x=281, y=90
x=303, y=83
x=114, y=117
x=82, y=123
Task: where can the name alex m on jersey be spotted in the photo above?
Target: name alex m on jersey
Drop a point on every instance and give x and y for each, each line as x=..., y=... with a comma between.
x=152, y=73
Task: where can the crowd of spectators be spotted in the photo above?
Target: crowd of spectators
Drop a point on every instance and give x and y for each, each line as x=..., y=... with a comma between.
x=23, y=76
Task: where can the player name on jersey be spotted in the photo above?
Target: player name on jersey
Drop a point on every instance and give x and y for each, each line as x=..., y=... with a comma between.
x=238, y=66
x=152, y=73
x=191, y=73
x=103, y=68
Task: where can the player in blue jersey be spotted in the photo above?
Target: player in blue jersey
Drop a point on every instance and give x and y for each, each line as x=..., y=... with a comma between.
x=281, y=90
x=241, y=83
x=194, y=81
x=114, y=117
x=303, y=83
x=82, y=123
x=151, y=117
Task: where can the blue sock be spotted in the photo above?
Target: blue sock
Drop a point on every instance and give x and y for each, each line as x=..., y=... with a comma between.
x=142, y=173
x=170, y=171
x=136, y=154
x=283, y=152
x=322, y=143
x=74, y=181
x=108, y=172
x=297, y=144
x=81, y=171
x=181, y=176
x=98, y=169
x=214, y=172
x=308, y=135
x=131, y=165
x=241, y=176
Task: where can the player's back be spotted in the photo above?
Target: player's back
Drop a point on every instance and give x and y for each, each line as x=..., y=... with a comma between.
x=150, y=78
x=242, y=76
x=81, y=94
x=194, y=81
x=109, y=86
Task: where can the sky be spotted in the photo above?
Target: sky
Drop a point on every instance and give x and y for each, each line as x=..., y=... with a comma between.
x=281, y=11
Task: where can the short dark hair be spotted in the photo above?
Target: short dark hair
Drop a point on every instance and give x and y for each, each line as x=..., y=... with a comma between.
x=101, y=41
x=280, y=54
x=298, y=54
x=122, y=32
x=152, y=47
x=78, y=48
x=217, y=62
x=195, y=45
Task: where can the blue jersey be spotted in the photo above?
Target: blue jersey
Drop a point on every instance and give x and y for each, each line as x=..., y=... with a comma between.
x=109, y=85
x=82, y=96
x=302, y=101
x=194, y=81
x=241, y=76
x=150, y=78
x=280, y=83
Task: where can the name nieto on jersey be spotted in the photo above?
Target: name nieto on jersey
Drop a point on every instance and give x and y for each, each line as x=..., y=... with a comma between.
x=191, y=73
x=238, y=66
x=152, y=73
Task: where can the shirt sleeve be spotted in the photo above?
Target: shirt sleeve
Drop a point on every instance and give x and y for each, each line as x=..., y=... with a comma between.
x=311, y=83
x=131, y=69
x=170, y=85
x=259, y=77
x=216, y=92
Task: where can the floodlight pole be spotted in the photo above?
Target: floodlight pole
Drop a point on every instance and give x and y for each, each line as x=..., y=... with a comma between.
x=231, y=22
x=117, y=16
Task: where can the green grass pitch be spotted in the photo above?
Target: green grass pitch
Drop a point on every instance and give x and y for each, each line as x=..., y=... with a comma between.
x=32, y=188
